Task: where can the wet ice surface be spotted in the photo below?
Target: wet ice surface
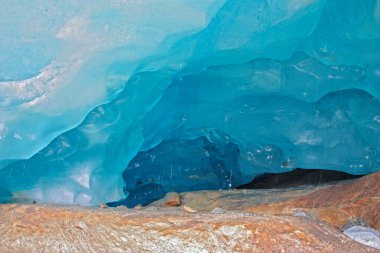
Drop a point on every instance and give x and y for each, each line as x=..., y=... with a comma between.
x=89, y=92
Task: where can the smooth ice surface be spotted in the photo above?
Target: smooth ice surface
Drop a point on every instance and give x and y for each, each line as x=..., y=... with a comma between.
x=89, y=89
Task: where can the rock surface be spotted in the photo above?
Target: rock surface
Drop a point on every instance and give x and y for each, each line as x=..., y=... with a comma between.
x=335, y=204
x=306, y=219
x=73, y=229
x=359, y=199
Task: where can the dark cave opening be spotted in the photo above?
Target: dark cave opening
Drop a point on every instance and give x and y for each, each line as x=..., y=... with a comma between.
x=296, y=178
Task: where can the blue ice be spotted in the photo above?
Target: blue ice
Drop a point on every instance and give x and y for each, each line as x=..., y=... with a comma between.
x=104, y=101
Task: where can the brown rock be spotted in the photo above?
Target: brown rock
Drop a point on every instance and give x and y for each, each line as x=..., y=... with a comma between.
x=335, y=204
x=172, y=199
x=55, y=229
x=189, y=209
x=358, y=199
x=101, y=205
x=255, y=221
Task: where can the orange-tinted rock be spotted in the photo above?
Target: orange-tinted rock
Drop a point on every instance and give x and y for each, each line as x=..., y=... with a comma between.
x=337, y=204
x=73, y=229
x=172, y=199
x=254, y=221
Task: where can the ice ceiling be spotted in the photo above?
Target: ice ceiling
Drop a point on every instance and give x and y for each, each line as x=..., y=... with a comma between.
x=129, y=99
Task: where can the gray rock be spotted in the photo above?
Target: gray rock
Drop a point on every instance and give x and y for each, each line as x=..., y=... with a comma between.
x=355, y=222
x=302, y=213
x=365, y=235
x=217, y=210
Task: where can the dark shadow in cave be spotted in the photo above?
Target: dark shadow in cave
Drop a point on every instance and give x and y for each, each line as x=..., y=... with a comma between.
x=181, y=165
x=296, y=178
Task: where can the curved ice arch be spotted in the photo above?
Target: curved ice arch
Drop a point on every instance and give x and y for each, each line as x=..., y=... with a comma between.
x=107, y=40
x=113, y=133
x=88, y=160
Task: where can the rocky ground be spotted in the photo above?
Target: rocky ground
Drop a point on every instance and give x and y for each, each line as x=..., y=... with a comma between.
x=303, y=219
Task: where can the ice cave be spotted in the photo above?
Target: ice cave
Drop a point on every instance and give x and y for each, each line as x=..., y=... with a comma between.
x=190, y=126
x=123, y=101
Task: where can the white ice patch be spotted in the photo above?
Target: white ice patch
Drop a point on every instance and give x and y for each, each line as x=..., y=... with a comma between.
x=33, y=90
x=3, y=130
x=83, y=199
x=309, y=138
x=74, y=29
x=82, y=175
x=59, y=195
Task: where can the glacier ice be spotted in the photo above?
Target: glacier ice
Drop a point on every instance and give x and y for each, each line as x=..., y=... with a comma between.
x=126, y=100
x=173, y=165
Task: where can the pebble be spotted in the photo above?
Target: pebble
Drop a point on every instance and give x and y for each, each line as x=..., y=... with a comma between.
x=217, y=210
x=302, y=213
x=101, y=205
x=172, y=199
x=138, y=207
x=189, y=209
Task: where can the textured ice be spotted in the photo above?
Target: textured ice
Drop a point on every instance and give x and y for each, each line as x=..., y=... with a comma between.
x=109, y=100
